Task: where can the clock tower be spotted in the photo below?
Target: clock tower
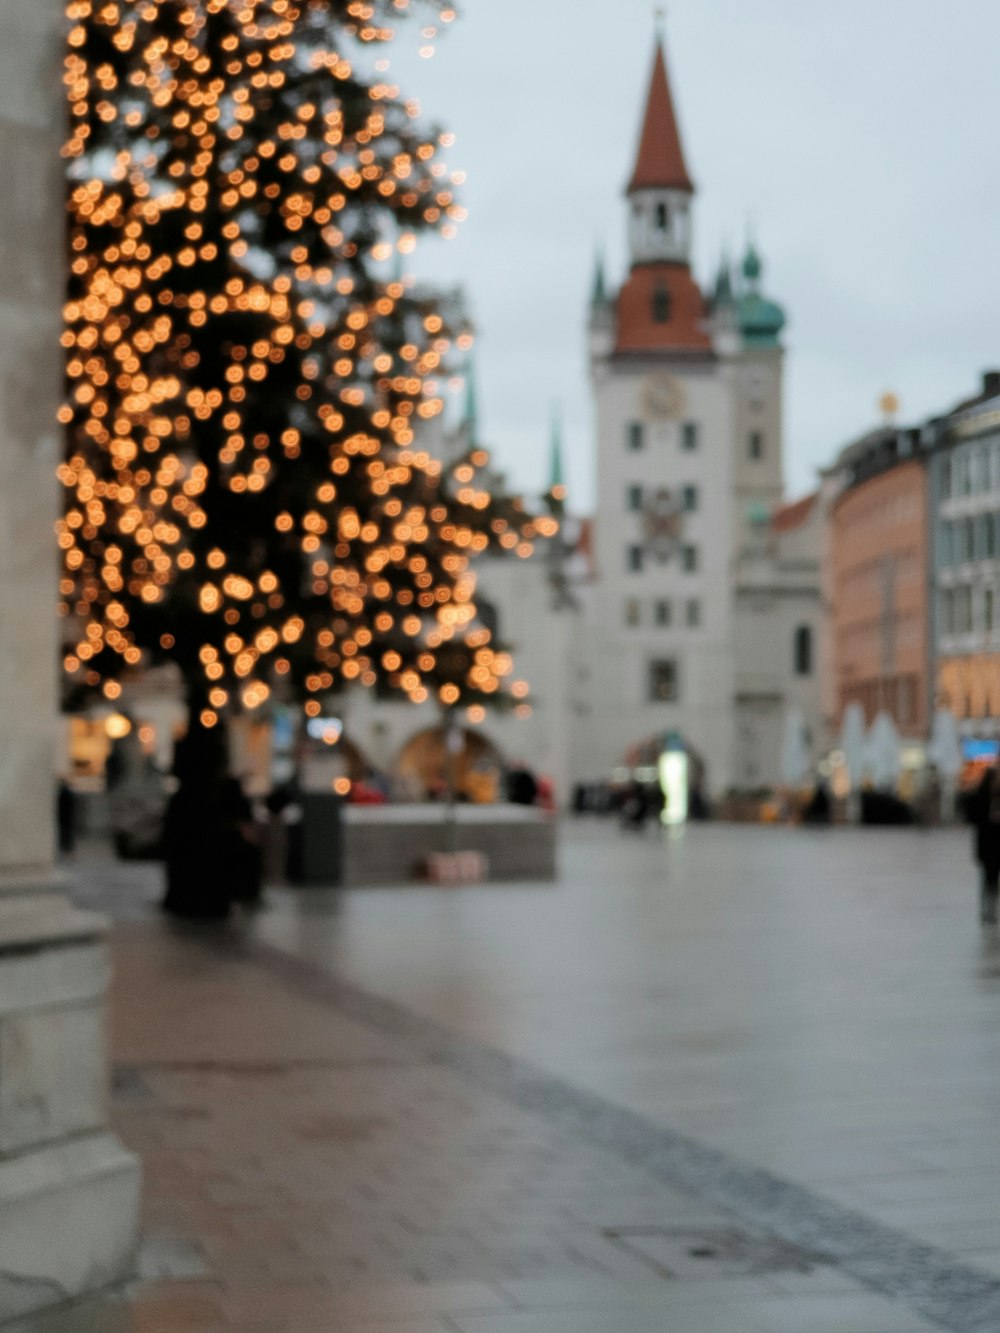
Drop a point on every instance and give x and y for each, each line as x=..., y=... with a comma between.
x=668, y=383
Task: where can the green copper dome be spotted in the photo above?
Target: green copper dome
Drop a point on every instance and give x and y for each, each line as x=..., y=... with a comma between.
x=761, y=320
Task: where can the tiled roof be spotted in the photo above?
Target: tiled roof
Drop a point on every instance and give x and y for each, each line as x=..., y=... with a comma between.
x=787, y=517
x=660, y=161
x=685, y=328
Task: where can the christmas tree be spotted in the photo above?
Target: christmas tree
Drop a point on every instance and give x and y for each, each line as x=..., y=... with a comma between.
x=248, y=494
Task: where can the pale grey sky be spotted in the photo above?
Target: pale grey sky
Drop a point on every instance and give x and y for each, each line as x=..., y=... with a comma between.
x=859, y=139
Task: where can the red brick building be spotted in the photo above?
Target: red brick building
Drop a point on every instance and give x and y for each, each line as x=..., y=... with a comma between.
x=878, y=551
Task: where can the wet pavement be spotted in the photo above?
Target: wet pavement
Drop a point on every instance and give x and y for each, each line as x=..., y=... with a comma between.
x=745, y=1078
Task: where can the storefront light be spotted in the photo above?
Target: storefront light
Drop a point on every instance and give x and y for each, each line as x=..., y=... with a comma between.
x=673, y=768
x=117, y=726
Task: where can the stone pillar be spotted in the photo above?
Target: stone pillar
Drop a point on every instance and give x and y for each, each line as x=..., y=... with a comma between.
x=68, y=1190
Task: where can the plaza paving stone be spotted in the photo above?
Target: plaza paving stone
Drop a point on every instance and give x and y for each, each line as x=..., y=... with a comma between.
x=520, y=1109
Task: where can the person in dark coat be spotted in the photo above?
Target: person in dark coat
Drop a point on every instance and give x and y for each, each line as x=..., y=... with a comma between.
x=66, y=817
x=983, y=809
x=240, y=843
x=194, y=843
x=635, y=807
x=819, y=809
x=522, y=788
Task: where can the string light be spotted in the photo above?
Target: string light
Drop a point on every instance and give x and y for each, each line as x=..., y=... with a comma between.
x=245, y=493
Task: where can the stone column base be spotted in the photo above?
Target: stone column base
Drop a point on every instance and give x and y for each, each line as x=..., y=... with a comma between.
x=69, y=1193
x=69, y=1219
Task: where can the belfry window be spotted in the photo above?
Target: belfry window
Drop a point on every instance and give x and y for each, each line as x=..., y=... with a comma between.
x=803, y=651
x=661, y=305
x=662, y=217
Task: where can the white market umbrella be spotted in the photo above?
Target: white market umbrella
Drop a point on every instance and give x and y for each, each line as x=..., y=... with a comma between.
x=883, y=752
x=945, y=750
x=852, y=742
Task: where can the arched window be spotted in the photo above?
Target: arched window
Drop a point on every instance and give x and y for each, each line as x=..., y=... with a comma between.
x=803, y=651
x=661, y=305
x=662, y=216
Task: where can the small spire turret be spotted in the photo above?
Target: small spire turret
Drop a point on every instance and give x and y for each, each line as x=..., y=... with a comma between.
x=599, y=290
x=556, y=475
x=470, y=415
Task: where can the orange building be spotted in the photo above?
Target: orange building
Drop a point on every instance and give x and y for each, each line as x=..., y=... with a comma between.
x=878, y=550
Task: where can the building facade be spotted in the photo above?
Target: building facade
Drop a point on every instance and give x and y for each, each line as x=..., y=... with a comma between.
x=779, y=624
x=689, y=467
x=878, y=551
x=965, y=506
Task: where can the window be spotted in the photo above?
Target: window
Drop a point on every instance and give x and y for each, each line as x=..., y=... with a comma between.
x=905, y=700
x=634, y=559
x=663, y=681
x=803, y=651
x=961, y=466
x=662, y=217
x=989, y=609
x=633, y=498
x=946, y=554
x=689, y=499
x=963, y=610
x=980, y=469
x=984, y=532
x=755, y=445
x=968, y=540
x=661, y=305
x=632, y=611
x=662, y=613
x=689, y=435
x=945, y=478
x=692, y=613
x=634, y=435
x=948, y=610
x=689, y=559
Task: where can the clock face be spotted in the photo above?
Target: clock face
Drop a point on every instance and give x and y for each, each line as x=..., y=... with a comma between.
x=663, y=524
x=663, y=396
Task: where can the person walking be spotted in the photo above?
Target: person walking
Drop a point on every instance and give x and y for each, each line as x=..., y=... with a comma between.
x=984, y=813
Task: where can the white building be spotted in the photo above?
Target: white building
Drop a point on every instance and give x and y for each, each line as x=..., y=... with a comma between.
x=697, y=604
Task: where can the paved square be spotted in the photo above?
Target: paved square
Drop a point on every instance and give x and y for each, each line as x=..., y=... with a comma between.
x=743, y=1079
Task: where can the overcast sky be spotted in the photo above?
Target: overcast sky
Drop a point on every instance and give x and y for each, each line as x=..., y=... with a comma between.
x=858, y=139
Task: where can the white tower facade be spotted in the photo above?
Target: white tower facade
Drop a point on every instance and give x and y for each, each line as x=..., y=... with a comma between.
x=687, y=397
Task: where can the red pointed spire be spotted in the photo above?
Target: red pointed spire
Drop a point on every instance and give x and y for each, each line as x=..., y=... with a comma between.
x=660, y=162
